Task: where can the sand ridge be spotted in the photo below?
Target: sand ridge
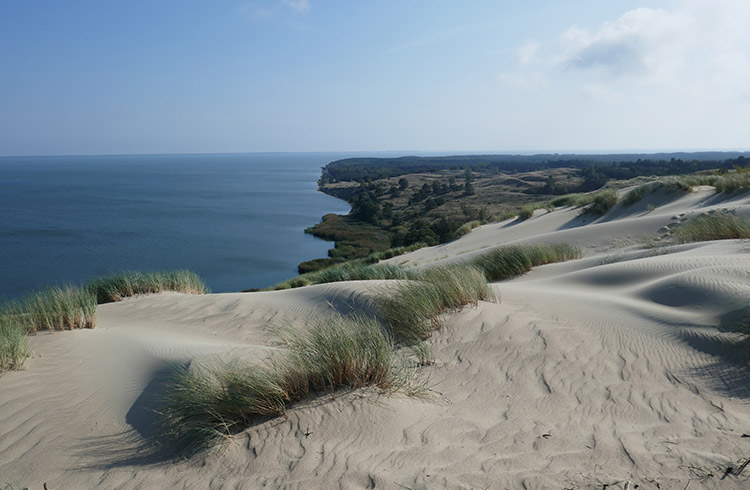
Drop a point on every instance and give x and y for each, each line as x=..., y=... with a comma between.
x=604, y=372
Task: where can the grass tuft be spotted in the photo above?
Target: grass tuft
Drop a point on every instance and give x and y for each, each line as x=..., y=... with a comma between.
x=53, y=308
x=207, y=403
x=117, y=287
x=527, y=212
x=412, y=309
x=509, y=262
x=14, y=344
x=716, y=226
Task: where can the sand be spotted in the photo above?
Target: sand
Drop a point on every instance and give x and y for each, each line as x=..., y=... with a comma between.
x=604, y=372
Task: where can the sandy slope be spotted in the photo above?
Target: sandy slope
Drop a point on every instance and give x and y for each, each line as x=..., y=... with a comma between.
x=602, y=371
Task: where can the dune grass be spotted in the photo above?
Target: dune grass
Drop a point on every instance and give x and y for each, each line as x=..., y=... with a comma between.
x=14, y=344
x=348, y=271
x=70, y=307
x=512, y=261
x=714, y=226
x=597, y=203
x=116, y=287
x=467, y=227
x=412, y=309
x=53, y=308
x=526, y=212
x=208, y=402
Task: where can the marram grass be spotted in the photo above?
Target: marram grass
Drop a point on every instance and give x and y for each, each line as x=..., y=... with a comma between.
x=72, y=307
x=14, y=344
x=716, y=226
x=412, y=309
x=207, y=403
x=116, y=287
x=512, y=261
x=53, y=308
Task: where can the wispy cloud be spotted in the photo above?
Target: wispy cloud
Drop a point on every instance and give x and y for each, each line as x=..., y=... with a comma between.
x=527, y=52
x=299, y=6
x=264, y=10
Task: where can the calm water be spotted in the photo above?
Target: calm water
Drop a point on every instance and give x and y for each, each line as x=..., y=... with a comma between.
x=237, y=220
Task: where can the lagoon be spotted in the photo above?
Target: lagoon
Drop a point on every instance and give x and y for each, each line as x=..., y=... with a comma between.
x=237, y=220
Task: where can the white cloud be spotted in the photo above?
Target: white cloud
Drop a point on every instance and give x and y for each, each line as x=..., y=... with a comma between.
x=699, y=48
x=526, y=54
x=299, y=6
x=257, y=11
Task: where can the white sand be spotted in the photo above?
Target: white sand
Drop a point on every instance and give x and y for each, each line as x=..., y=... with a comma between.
x=602, y=371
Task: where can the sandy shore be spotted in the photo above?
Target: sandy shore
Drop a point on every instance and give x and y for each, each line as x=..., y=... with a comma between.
x=604, y=372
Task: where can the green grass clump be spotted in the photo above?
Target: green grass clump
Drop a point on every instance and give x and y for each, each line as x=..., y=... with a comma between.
x=116, y=287
x=527, y=212
x=716, y=226
x=396, y=251
x=412, y=309
x=14, y=344
x=355, y=270
x=601, y=202
x=209, y=402
x=467, y=227
x=53, y=308
x=358, y=272
x=635, y=195
x=508, y=262
x=731, y=182
x=597, y=203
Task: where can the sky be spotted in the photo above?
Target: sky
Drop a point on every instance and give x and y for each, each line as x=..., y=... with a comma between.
x=221, y=76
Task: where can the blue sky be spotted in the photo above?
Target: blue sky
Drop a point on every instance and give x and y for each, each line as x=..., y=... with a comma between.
x=189, y=76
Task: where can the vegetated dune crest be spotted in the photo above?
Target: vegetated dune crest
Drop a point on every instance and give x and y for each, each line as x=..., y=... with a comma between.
x=604, y=371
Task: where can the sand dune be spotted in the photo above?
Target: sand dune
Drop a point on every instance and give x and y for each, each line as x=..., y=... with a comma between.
x=604, y=372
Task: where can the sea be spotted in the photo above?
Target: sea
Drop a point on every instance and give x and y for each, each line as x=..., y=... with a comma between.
x=237, y=220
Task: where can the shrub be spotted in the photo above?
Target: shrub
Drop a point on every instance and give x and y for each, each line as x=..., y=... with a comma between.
x=116, y=287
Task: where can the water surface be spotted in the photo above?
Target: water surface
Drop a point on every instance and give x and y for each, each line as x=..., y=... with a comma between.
x=237, y=220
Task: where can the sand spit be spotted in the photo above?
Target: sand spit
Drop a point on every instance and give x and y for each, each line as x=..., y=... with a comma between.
x=605, y=372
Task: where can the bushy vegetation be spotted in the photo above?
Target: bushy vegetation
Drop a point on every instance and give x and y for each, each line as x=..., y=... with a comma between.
x=209, y=402
x=117, y=287
x=714, y=226
x=513, y=261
